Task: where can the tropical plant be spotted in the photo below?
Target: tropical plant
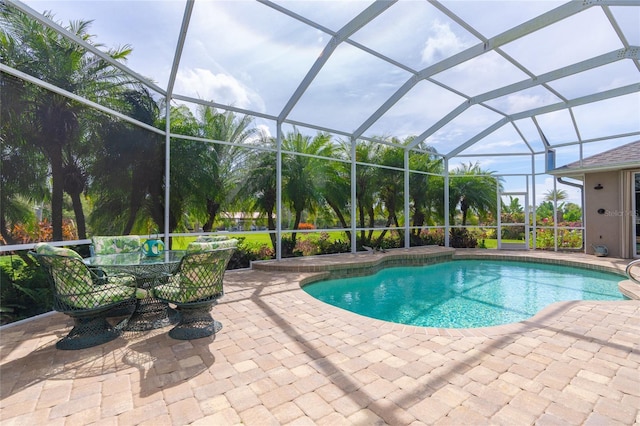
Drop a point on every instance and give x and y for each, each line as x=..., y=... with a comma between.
x=572, y=212
x=259, y=186
x=514, y=207
x=473, y=190
x=337, y=188
x=390, y=185
x=366, y=188
x=126, y=200
x=224, y=162
x=422, y=186
x=51, y=121
x=555, y=194
x=303, y=173
x=544, y=211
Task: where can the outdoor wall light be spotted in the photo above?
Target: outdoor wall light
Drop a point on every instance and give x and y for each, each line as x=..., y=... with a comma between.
x=598, y=186
x=601, y=211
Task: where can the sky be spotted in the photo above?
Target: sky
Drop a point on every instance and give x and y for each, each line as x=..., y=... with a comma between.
x=250, y=56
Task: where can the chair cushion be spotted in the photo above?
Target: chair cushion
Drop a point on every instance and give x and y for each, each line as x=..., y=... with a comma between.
x=116, y=244
x=122, y=280
x=102, y=296
x=75, y=287
x=199, y=246
x=44, y=248
x=211, y=238
x=184, y=294
x=199, y=279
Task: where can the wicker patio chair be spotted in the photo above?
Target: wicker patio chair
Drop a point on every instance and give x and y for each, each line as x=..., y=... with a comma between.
x=84, y=296
x=115, y=245
x=194, y=289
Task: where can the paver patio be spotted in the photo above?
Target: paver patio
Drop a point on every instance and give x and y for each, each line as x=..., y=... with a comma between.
x=286, y=358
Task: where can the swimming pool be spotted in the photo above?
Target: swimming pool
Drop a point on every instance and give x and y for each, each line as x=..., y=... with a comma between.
x=465, y=293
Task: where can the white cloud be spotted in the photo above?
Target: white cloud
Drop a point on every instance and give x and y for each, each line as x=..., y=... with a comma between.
x=442, y=43
x=221, y=88
x=264, y=130
x=496, y=146
x=521, y=102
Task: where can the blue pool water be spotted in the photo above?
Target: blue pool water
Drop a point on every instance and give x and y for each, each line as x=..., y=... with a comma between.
x=465, y=293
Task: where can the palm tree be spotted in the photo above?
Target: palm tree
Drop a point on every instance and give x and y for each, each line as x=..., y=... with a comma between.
x=190, y=169
x=473, y=189
x=259, y=185
x=366, y=188
x=421, y=186
x=337, y=190
x=304, y=176
x=24, y=171
x=555, y=194
x=224, y=161
x=55, y=119
x=391, y=187
x=127, y=198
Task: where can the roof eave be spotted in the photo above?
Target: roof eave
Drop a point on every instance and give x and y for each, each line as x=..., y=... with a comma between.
x=579, y=171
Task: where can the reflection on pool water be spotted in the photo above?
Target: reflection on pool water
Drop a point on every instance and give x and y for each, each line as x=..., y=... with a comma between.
x=465, y=293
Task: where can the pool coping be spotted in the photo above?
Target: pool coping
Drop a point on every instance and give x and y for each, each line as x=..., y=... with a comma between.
x=317, y=268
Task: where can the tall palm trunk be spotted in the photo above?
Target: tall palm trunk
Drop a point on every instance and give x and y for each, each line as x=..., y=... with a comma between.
x=372, y=221
x=464, y=208
x=271, y=224
x=57, y=190
x=212, y=210
x=79, y=214
x=296, y=223
x=362, y=231
x=341, y=217
x=418, y=221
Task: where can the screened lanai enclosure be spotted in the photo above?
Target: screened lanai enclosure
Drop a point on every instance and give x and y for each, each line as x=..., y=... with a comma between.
x=311, y=127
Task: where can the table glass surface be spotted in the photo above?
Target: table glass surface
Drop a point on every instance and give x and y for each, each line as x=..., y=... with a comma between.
x=135, y=259
x=149, y=271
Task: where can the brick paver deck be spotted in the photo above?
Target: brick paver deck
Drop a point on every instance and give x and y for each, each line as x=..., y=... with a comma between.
x=286, y=358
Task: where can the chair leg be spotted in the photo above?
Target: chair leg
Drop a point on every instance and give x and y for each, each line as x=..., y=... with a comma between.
x=196, y=322
x=88, y=332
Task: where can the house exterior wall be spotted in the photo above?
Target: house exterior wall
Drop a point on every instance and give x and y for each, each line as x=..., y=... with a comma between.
x=604, y=228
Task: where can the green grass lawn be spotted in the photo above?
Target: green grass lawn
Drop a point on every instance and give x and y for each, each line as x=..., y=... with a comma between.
x=180, y=243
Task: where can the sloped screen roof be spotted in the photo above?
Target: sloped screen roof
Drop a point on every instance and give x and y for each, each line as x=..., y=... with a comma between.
x=472, y=79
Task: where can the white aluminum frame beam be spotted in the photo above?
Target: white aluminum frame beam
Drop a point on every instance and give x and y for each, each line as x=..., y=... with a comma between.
x=595, y=97
x=91, y=48
x=343, y=34
x=564, y=11
x=632, y=52
x=186, y=18
x=55, y=89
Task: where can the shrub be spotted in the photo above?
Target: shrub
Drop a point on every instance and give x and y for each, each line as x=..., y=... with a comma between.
x=25, y=290
x=246, y=253
x=24, y=233
x=305, y=247
x=326, y=246
x=288, y=247
x=462, y=238
x=391, y=240
x=567, y=238
x=307, y=226
x=430, y=237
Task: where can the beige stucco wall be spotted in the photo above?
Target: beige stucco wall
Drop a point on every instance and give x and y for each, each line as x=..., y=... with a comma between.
x=603, y=228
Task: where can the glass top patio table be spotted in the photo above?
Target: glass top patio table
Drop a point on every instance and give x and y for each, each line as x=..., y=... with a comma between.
x=137, y=263
x=149, y=312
